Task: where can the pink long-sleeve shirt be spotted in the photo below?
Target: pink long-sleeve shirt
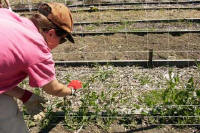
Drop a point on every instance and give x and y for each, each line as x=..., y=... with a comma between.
x=23, y=52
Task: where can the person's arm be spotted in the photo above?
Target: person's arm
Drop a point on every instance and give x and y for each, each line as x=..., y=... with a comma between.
x=54, y=88
x=34, y=102
x=19, y=93
x=58, y=89
x=16, y=92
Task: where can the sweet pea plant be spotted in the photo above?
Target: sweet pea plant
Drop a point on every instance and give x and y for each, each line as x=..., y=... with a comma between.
x=176, y=104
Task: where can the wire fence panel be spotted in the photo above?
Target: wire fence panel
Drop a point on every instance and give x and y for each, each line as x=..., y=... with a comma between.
x=128, y=98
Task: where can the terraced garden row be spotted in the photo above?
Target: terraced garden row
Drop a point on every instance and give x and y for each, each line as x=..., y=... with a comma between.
x=131, y=98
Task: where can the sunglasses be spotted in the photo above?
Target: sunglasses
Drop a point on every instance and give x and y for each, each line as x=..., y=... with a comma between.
x=60, y=32
x=62, y=40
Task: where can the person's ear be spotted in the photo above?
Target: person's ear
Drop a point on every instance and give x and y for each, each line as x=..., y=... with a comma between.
x=51, y=32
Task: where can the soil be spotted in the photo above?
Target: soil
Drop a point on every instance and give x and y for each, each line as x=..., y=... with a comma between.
x=127, y=78
x=130, y=47
x=133, y=15
x=133, y=26
x=111, y=15
x=117, y=129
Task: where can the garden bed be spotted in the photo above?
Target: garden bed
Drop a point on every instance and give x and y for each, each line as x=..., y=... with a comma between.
x=118, y=90
x=130, y=47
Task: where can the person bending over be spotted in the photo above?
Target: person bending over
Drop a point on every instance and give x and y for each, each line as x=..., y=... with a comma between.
x=26, y=45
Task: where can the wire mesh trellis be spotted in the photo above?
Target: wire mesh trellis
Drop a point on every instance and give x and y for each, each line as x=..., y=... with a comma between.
x=164, y=29
x=148, y=35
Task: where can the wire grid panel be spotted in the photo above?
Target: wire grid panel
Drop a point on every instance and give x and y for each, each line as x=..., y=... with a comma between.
x=116, y=94
x=112, y=33
x=122, y=39
x=116, y=31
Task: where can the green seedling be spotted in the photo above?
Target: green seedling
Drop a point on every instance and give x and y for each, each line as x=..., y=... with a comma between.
x=103, y=107
x=144, y=80
x=37, y=91
x=175, y=103
x=48, y=117
x=90, y=27
x=198, y=66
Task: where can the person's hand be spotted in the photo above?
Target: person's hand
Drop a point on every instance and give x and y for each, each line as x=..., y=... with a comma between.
x=74, y=85
x=33, y=104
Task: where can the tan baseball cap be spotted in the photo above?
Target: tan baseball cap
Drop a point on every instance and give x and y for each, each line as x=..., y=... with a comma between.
x=60, y=15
